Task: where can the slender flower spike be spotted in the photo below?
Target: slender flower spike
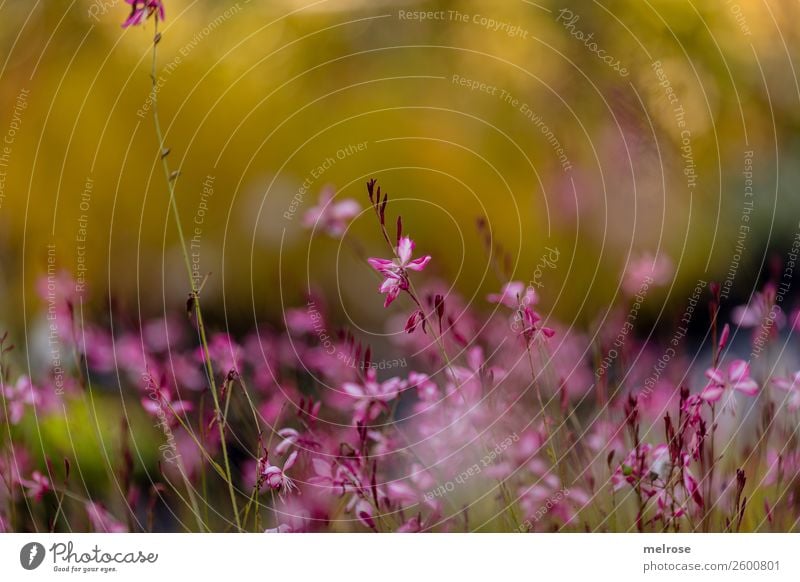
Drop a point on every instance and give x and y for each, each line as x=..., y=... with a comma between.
x=141, y=10
x=736, y=377
x=395, y=271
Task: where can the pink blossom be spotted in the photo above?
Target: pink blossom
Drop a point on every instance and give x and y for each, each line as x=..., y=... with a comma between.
x=102, y=521
x=514, y=295
x=371, y=396
x=647, y=269
x=531, y=328
x=38, y=485
x=18, y=396
x=760, y=309
x=331, y=217
x=275, y=477
x=736, y=377
x=395, y=271
x=141, y=10
x=791, y=386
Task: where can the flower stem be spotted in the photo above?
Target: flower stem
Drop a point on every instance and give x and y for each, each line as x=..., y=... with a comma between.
x=195, y=293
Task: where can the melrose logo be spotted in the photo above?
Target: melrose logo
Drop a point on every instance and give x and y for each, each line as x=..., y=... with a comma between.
x=31, y=555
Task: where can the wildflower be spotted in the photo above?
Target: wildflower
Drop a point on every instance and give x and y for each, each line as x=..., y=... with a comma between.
x=395, y=271
x=372, y=396
x=275, y=477
x=647, y=269
x=331, y=217
x=514, y=295
x=38, y=485
x=18, y=396
x=141, y=10
x=736, y=377
x=760, y=310
x=792, y=387
x=102, y=521
x=531, y=328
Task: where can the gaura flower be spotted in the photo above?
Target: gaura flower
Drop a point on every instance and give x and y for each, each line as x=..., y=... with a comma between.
x=141, y=10
x=275, y=477
x=736, y=377
x=514, y=295
x=790, y=385
x=331, y=217
x=372, y=396
x=395, y=271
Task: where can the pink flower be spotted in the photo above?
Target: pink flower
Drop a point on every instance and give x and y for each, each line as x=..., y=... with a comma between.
x=141, y=10
x=792, y=387
x=37, y=486
x=737, y=377
x=102, y=521
x=372, y=396
x=531, y=328
x=514, y=295
x=331, y=217
x=396, y=270
x=18, y=396
x=647, y=269
x=275, y=477
x=760, y=310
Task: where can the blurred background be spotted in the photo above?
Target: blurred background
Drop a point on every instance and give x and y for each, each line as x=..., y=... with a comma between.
x=606, y=130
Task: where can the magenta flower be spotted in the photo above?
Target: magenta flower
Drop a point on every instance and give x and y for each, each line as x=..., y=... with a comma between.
x=531, y=328
x=372, y=396
x=790, y=385
x=760, y=310
x=514, y=295
x=141, y=10
x=395, y=271
x=102, y=521
x=18, y=396
x=38, y=485
x=275, y=477
x=331, y=217
x=736, y=377
x=647, y=269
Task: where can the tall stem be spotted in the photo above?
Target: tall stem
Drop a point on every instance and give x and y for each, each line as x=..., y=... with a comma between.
x=195, y=293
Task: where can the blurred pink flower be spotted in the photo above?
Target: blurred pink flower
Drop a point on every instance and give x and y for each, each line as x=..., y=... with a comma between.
x=790, y=385
x=514, y=295
x=331, y=217
x=102, y=521
x=38, y=485
x=654, y=270
x=371, y=396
